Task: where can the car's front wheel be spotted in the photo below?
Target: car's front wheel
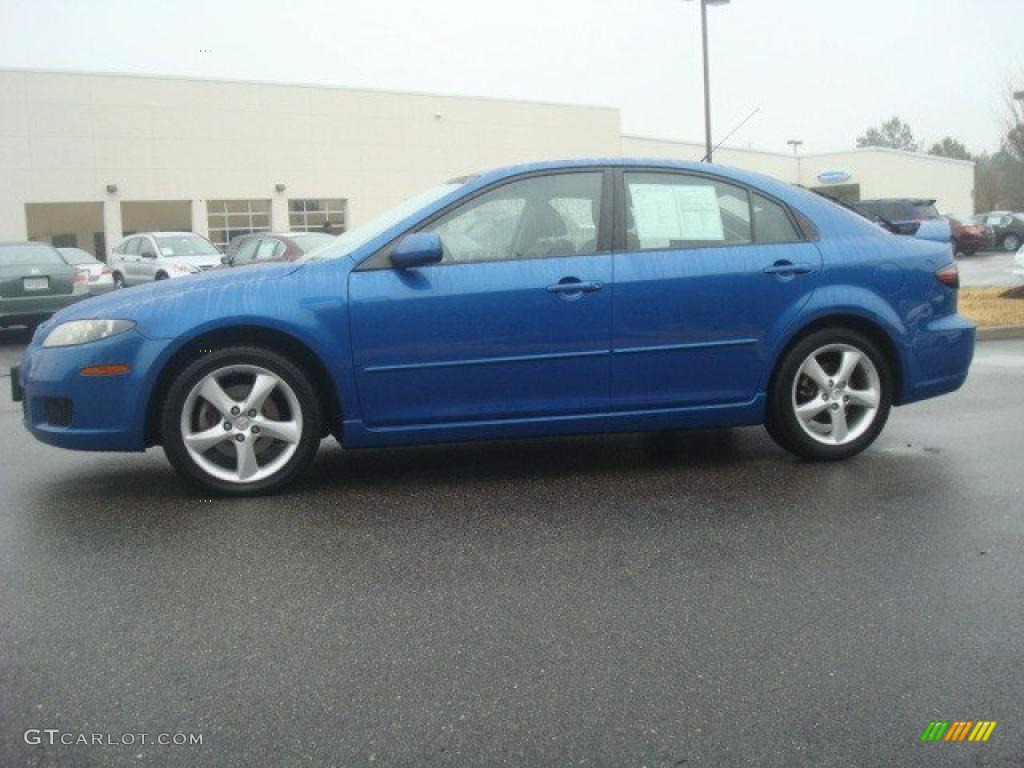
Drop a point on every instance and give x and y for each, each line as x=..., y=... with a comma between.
x=830, y=396
x=240, y=421
x=1011, y=242
x=118, y=281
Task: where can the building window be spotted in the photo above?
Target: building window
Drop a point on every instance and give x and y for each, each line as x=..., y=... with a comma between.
x=313, y=215
x=228, y=219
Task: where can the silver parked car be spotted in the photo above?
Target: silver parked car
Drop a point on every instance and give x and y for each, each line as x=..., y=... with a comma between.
x=149, y=256
x=101, y=279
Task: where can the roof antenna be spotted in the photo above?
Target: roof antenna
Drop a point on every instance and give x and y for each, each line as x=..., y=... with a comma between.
x=730, y=133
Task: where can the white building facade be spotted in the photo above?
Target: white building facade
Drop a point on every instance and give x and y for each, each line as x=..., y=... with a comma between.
x=86, y=159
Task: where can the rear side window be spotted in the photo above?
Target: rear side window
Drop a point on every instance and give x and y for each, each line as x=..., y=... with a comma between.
x=771, y=222
x=669, y=211
x=132, y=246
x=895, y=211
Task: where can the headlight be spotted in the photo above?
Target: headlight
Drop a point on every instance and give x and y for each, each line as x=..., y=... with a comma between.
x=83, y=331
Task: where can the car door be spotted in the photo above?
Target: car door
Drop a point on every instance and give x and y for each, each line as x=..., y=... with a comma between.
x=129, y=260
x=148, y=263
x=514, y=323
x=707, y=276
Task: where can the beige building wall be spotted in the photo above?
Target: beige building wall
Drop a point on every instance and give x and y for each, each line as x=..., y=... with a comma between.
x=65, y=136
x=775, y=164
x=879, y=172
x=892, y=173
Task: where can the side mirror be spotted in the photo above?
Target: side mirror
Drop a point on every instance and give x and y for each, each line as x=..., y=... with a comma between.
x=417, y=250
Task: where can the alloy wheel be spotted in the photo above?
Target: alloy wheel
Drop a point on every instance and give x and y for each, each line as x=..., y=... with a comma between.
x=241, y=423
x=836, y=394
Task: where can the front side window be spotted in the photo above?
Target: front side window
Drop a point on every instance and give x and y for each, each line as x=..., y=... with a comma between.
x=557, y=215
x=246, y=250
x=669, y=211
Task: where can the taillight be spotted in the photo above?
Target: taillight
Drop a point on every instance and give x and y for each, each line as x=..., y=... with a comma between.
x=948, y=275
x=81, y=277
x=105, y=271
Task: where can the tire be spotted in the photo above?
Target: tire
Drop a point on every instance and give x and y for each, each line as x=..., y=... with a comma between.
x=959, y=252
x=288, y=422
x=118, y=281
x=160, y=276
x=1011, y=242
x=864, y=411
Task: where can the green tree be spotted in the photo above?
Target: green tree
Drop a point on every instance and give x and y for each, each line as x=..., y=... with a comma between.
x=950, y=147
x=893, y=133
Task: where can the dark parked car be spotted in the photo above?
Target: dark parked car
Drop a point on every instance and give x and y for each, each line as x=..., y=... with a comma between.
x=35, y=282
x=905, y=214
x=1007, y=226
x=969, y=238
x=266, y=246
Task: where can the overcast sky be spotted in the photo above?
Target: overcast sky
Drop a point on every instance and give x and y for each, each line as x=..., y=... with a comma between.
x=821, y=70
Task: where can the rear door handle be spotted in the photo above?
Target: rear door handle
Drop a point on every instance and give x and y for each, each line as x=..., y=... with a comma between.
x=788, y=268
x=575, y=286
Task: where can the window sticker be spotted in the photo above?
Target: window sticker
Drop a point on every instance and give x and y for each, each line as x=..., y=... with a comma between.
x=676, y=212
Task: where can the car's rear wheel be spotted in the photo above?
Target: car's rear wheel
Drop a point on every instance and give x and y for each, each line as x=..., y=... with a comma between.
x=1011, y=242
x=831, y=395
x=240, y=421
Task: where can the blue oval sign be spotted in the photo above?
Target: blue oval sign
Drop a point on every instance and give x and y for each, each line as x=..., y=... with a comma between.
x=833, y=177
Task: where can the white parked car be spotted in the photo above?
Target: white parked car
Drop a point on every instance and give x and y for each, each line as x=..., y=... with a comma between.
x=101, y=279
x=149, y=256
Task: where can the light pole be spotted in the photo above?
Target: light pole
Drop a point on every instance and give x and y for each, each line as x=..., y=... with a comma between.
x=795, y=144
x=707, y=84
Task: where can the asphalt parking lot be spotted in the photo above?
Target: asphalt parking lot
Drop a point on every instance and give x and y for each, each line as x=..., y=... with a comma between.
x=632, y=600
x=988, y=268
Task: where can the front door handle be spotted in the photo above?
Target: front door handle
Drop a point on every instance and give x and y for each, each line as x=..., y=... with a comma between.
x=788, y=268
x=572, y=285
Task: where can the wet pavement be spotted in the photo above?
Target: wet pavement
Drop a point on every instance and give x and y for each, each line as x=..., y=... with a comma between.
x=677, y=599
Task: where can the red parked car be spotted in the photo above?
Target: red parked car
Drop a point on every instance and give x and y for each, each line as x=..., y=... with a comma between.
x=971, y=237
x=268, y=246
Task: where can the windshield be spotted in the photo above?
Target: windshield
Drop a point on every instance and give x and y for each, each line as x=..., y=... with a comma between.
x=76, y=256
x=186, y=245
x=311, y=241
x=13, y=255
x=364, y=233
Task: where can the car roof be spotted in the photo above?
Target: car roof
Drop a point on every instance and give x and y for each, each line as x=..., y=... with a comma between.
x=161, y=234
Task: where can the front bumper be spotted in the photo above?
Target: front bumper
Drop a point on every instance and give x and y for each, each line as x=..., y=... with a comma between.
x=103, y=413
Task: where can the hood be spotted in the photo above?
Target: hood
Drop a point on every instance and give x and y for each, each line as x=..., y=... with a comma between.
x=152, y=300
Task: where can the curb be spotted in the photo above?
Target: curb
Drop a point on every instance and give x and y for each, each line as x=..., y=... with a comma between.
x=998, y=332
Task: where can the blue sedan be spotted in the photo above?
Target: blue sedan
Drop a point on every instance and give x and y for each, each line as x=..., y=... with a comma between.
x=554, y=298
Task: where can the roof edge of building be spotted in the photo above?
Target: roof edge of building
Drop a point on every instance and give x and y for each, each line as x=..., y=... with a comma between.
x=293, y=84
